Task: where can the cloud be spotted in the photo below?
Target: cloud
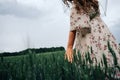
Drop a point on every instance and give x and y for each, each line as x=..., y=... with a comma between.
x=8, y=42
x=115, y=29
x=112, y=19
x=49, y=29
x=18, y=10
x=43, y=22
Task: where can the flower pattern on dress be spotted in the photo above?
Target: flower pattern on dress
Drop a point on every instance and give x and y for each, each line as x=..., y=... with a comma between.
x=97, y=39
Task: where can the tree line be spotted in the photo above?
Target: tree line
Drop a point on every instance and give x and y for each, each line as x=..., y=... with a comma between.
x=34, y=50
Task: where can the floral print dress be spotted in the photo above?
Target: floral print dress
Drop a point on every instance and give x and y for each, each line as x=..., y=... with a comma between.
x=96, y=40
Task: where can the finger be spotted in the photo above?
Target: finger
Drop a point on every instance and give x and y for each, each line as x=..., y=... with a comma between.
x=68, y=57
x=71, y=58
x=65, y=56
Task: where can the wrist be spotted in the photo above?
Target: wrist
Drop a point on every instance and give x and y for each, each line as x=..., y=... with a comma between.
x=69, y=47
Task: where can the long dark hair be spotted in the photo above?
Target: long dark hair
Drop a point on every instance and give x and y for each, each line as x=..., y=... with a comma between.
x=84, y=4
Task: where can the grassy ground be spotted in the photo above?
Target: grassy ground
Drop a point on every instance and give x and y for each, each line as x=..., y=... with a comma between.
x=32, y=66
x=52, y=66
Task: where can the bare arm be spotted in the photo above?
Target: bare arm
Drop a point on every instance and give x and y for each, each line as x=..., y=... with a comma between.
x=69, y=50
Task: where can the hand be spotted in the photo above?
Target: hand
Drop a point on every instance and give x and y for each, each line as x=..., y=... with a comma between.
x=69, y=55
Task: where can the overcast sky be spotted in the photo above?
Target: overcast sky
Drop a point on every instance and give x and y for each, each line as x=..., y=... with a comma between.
x=42, y=23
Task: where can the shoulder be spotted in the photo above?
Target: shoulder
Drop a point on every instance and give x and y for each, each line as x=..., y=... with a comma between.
x=76, y=10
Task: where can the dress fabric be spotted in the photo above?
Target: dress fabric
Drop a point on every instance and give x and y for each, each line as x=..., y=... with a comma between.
x=96, y=40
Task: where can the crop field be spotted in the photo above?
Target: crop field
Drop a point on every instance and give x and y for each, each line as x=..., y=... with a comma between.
x=53, y=66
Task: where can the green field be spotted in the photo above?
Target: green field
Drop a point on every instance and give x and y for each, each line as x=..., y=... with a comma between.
x=52, y=66
x=32, y=66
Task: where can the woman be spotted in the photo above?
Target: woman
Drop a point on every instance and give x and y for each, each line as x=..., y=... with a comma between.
x=89, y=32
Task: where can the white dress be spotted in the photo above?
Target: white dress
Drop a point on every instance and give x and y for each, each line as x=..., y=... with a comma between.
x=96, y=40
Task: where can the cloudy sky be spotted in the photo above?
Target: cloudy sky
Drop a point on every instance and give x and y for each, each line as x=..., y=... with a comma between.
x=42, y=23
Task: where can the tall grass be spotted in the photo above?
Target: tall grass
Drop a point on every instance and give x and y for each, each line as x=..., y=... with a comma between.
x=52, y=66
